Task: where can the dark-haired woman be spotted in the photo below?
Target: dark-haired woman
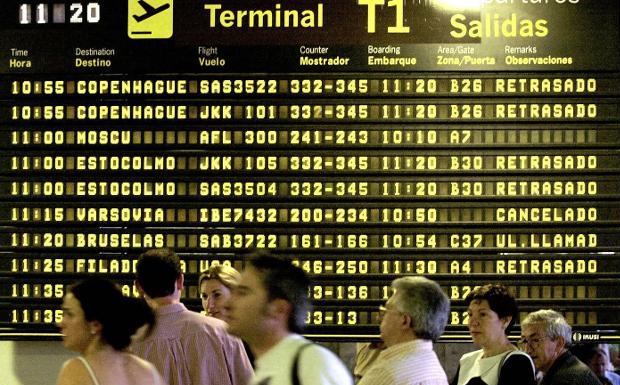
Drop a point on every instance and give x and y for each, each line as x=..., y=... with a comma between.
x=98, y=322
x=492, y=312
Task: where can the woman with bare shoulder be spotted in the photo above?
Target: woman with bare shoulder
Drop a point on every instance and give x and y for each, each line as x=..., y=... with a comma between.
x=98, y=322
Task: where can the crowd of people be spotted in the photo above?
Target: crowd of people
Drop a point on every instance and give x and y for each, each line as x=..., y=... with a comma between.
x=252, y=334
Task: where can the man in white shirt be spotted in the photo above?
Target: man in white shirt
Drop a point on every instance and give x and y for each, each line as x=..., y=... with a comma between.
x=267, y=310
x=413, y=317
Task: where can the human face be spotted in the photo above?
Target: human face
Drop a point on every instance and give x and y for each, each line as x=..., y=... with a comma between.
x=75, y=329
x=247, y=307
x=391, y=322
x=214, y=294
x=543, y=350
x=485, y=326
x=598, y=364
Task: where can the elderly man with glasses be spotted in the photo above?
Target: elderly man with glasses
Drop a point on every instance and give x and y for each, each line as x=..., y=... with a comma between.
x=546, y=336
x=412, y=318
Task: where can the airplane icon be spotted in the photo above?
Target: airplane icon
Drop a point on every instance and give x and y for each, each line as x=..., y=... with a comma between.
x=149, y=10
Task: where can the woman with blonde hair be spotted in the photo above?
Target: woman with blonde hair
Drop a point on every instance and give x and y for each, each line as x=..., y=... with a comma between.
x=216, y=285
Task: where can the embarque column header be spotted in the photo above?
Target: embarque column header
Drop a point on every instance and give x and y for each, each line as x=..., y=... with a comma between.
x=309, y=35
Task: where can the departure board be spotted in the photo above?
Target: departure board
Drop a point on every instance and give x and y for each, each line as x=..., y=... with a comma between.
x=470, y=142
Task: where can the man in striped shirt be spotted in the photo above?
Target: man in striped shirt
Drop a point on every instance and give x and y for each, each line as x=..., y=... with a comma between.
x=187, y=348
x=412, y=318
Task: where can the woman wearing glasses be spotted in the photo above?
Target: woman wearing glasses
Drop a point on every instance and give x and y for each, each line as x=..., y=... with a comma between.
x=492, y=312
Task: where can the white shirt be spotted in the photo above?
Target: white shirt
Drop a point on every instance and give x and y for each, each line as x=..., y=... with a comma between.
x=613, y=377
x=488, y=369
x=407, y=363
x=316, y=366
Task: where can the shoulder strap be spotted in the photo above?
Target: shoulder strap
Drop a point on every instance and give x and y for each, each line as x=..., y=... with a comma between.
x=89, y=370
x=295, y=370
x=505, y=358
x=517, y=352
x=501, y=363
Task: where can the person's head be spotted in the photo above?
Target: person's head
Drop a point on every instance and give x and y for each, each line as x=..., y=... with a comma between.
x=216, y=285
x=492, y=311
x=418, y=308
x=272, y=295
x=95, y=311
x=159, y=274
x=596, y=359
x=545, y=335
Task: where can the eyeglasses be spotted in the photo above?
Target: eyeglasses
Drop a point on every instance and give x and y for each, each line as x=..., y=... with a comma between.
x=383, y=310
x=533, y=342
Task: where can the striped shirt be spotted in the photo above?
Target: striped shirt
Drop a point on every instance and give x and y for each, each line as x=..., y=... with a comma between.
x=407, y=363
x=188, y=348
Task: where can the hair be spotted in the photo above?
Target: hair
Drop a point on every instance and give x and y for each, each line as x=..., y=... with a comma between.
x=120, y=317
x=157, y=271
x=226, y=275
x=552, y=322
x=283, y=280
x=586, y=353
x=426, y=304
x=500, y=300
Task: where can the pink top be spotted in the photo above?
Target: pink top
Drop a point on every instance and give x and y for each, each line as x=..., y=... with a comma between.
x=188, y=348
x=407, y=363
